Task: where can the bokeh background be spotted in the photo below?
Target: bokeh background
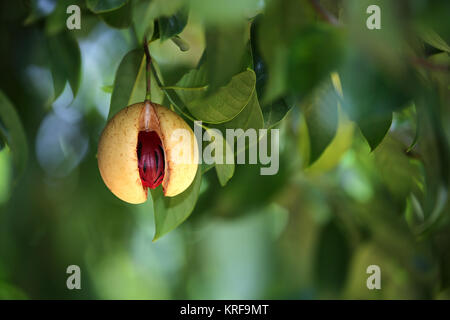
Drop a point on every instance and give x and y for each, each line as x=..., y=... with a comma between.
x=308, y=232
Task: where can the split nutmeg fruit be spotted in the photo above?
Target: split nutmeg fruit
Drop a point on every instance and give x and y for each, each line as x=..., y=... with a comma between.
x=143, y=146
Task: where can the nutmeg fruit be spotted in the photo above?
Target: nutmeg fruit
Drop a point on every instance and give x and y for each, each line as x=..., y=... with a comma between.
x=143, y=146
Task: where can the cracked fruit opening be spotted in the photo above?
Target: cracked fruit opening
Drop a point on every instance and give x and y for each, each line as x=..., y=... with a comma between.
x=151, y=161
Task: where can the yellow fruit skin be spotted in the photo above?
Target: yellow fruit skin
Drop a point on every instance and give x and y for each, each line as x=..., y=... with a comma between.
x=117, y=156
x=179, y=173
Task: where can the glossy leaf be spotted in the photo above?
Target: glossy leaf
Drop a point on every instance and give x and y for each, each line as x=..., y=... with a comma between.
x=173, y=25
x=225, y=104
x=129, y=84
x=170, y=212
x=12, y=132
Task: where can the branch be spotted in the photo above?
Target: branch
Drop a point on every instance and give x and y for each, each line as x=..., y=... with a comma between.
x=148, y=71
x=324, y=13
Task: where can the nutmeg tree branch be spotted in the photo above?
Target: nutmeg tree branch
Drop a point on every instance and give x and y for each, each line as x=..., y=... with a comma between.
x=148, y=61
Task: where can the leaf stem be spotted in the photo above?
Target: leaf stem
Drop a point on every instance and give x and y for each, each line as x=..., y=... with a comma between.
x=148, y=60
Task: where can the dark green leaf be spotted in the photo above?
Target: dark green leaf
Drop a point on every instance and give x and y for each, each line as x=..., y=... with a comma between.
x=333, y=246
x=315, y=52
x=225, y=48
x=278, y=28
x=56, y=21
x=120, y=18
x=129, y=84
x=273, y=112
x=12, y=132
x=65, y=62
x=321, y=115
x=370, y=97
x=173, y=25
x=170, y=212
x=101, y=6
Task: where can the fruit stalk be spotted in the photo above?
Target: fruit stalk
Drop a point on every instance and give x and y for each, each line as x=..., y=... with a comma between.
x=148, y=71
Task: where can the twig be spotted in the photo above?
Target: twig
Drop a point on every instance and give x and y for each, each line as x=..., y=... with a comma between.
x=148, y=71
x=324, y=13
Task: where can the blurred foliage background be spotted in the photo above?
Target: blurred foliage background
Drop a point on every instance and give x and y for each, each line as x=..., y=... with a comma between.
x=364, y=150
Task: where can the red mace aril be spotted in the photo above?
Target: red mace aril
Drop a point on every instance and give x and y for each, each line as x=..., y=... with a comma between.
x=150, y=159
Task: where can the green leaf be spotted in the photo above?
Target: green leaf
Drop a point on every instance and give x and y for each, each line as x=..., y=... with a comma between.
x=225, y=48
x=333, y=246
x=120, y=18
x=170, y=212
x=273, y=112
x=65, y=62
x=129, y=83
x=276, y=31
x=143, y=22
x=56, y=21
x=315, y=52
x=101, y=6
x=433, y=39
x=250, y=117
x=224, y=170
x=321, y=115
x=12, y=132
x=370, y=97
x=225, y=104
x=173, y=25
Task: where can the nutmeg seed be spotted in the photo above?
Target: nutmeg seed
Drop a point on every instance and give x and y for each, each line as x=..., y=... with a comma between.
x=143, y=146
